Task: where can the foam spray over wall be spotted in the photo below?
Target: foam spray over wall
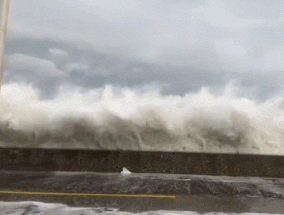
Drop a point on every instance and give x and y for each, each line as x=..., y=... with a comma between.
x=129, y=119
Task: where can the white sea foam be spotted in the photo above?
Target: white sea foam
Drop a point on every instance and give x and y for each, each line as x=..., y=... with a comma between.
x=111, y=118
x=17, y=208
x=125, y=171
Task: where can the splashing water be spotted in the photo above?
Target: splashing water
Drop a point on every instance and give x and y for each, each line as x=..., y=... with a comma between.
x=129, y=119
x=28, y=207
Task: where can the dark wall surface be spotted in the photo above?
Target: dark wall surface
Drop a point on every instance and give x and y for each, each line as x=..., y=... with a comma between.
x=32, y=159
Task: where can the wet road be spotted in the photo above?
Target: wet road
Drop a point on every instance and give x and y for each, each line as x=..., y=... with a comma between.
x=146, y=192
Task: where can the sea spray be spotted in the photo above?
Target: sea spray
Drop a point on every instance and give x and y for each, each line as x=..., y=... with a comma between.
x=129, y=119
x=15, y=208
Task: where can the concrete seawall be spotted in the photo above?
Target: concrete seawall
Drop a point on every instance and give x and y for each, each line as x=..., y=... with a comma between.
x=35, y=159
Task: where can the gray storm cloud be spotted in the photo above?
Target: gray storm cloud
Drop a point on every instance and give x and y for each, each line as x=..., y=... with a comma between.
x=224, y=35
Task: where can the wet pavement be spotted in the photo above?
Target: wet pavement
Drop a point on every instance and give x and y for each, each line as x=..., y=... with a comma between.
x=192, y=192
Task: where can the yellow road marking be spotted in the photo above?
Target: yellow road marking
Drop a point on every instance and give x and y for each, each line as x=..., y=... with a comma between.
x=124, y=195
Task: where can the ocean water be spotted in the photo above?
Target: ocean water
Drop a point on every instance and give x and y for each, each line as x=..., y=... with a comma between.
x=129, y=119
x=29, y=208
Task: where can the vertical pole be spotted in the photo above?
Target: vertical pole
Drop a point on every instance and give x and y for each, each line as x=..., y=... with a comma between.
x=3, y=32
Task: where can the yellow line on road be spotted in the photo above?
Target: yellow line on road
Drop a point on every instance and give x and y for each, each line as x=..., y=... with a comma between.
x=123, y=195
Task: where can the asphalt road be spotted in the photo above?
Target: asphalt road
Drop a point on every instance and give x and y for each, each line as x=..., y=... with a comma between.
x=146, y=192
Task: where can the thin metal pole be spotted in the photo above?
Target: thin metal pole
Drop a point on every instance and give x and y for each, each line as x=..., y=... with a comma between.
x=3, y=34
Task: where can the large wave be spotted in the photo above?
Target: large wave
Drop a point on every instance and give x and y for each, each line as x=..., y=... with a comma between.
x=132, y=119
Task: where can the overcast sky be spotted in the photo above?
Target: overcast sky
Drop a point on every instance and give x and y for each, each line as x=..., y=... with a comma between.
x=181, y=45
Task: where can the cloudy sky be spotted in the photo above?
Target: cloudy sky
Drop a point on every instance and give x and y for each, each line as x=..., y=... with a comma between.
x=176, y=45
